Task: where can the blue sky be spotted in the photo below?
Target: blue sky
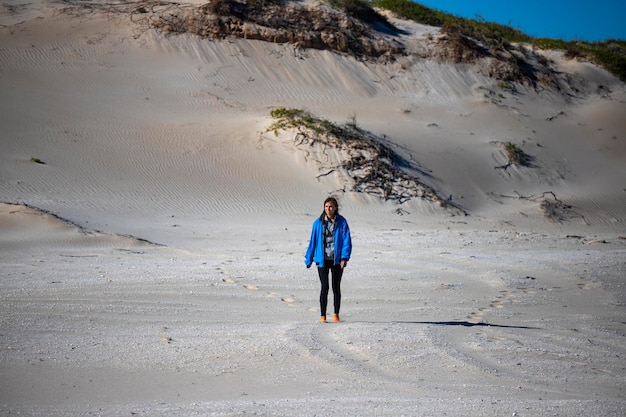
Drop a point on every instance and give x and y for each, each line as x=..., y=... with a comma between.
x=586, y=20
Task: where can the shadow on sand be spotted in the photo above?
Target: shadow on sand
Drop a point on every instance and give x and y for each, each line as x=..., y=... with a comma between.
x=464, y=324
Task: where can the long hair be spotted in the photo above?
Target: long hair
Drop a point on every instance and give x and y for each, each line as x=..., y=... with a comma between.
x=332, y=200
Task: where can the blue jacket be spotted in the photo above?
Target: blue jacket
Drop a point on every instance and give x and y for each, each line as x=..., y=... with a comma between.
x=343, y=242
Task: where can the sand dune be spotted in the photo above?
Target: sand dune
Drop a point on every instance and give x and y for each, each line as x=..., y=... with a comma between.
x=199, y=110
x=152, y=230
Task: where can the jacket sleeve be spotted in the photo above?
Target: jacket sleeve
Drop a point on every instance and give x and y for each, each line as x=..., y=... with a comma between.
x=346, y=247
x=308, y=256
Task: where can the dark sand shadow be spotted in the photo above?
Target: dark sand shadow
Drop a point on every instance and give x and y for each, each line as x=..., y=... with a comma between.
x=466, y=324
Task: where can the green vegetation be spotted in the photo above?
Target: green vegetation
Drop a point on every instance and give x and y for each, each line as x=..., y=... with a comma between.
x=361, y=10
x=37, y=161
x=516, y=155
x=478, y=28
x=610, y=54
x=413, y=11
x=296, y=118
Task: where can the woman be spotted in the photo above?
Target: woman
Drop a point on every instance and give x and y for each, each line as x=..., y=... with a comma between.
x=330, y=248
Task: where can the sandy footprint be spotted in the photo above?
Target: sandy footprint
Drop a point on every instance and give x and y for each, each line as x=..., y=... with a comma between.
x=251, y=287
x=289, y=300
x=499, y=302
x=225, y=272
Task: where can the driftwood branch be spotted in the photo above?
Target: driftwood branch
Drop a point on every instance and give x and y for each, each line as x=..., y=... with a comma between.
x=552, y=207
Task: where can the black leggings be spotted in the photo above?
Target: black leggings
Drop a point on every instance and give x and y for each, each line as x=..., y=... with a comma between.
x=337, y=272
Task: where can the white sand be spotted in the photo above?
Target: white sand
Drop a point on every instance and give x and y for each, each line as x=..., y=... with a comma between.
x=176, y=285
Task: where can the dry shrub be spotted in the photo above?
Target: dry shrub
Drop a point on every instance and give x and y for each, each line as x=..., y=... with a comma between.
x=319, y=27
x=370, y=165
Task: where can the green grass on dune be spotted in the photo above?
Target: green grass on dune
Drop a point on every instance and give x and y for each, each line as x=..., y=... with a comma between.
x=610, y=54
